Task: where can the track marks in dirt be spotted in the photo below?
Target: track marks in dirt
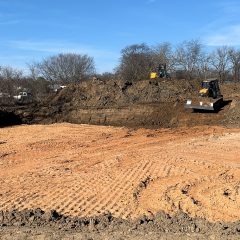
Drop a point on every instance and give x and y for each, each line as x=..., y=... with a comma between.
x=90, y=170
x=210, y=191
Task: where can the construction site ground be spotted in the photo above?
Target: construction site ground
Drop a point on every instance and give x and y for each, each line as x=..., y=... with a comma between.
x=185, y=181
x=121, y=160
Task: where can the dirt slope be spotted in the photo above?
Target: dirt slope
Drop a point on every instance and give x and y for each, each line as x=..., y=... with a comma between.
x=151, y=104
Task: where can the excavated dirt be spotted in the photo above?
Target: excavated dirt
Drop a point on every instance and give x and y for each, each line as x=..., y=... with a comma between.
x=100, y=182
x=143, y=103
x=150, y=104
x=52, y=225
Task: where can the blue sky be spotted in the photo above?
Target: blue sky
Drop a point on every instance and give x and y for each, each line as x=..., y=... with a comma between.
x=33, y=29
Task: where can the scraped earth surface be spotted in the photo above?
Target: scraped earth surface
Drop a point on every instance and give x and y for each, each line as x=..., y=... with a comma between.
x=87, y=171
x=82, y=170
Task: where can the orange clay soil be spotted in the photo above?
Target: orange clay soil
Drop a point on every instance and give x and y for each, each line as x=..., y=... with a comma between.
x=83, y=170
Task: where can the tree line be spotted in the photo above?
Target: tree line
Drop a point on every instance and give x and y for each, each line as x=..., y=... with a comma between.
x=188, y=60
x=59, y=69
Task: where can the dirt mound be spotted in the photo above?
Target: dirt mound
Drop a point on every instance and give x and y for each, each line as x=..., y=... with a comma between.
x=230, y=90
x=158, y=103
x=142, y=103
x=232, y=116
x=120, y=93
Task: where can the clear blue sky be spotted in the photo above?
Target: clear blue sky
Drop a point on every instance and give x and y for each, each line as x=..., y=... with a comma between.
x=33, y=29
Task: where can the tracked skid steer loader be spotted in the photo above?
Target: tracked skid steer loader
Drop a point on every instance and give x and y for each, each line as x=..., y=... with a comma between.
x=209, y=97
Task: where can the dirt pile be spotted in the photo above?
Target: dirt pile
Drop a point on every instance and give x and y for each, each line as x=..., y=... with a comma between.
x=143, y=103
x=158, y=103
x=99, y=94
x=232, y=117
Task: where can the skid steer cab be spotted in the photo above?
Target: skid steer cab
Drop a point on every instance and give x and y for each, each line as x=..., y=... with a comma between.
x=209, y=97
x=210, y=88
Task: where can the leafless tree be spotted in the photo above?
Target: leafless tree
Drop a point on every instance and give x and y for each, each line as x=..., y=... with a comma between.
x=67, y=68
x=203, y=66
x=163, y=54
x=234, y=57
x=34, y=71
x=9, y=79
x=135, y=62
x=107, y=76
x=187, y=57
x=220, y=61
x=10, y=73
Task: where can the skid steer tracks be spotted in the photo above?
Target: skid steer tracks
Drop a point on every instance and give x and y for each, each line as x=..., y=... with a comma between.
x=82, y=170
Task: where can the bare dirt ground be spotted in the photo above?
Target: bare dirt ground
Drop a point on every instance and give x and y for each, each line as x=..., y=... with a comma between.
x=87, y=171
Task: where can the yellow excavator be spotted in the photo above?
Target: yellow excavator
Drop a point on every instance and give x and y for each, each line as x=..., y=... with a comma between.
x=209, y=97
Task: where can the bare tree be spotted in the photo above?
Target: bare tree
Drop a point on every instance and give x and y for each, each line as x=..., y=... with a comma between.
x=10, y=73
x=203, y=66
x=67, y=68
x=33, y=70
x=135, y=62
x=162, y=53
x=9, y=79
x=234, y=58
x=107, y=76
x=220, y=61
x=187, y=57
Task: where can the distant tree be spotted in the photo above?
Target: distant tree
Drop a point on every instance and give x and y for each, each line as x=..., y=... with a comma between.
x=38, y=85
x=10, y=73
x=163, y=53
x=203, y=66
x=9, y=79
x=187, y=57
x=135, y=62
x=220, y=61
x=234, y=58
x=34, y=71
x=107, y=76
x=67, y=68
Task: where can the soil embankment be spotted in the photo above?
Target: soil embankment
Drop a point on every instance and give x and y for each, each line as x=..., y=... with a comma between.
x=139, y=104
